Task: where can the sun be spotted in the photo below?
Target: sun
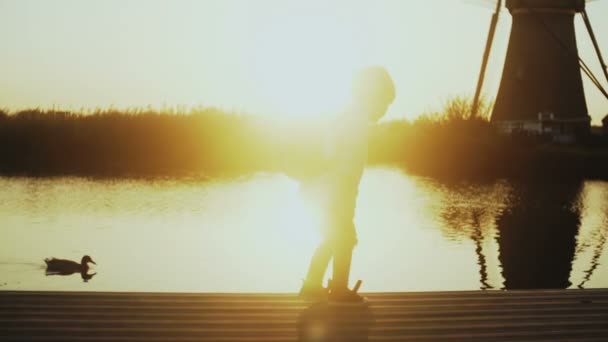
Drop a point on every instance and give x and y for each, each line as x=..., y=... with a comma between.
x=302, y=65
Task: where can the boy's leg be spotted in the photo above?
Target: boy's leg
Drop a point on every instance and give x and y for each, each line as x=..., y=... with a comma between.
x=344, y=241
x=343, y=235
x=343, y=253
x=342, y=262
x=312, y=289
x=318, y=265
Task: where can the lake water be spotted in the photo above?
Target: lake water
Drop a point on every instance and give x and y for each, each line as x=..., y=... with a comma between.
x=254, y=234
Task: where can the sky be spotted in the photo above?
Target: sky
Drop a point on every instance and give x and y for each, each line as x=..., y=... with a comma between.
x=269, y=57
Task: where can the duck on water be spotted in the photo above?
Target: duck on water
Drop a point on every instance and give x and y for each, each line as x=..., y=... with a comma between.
x=67, y=267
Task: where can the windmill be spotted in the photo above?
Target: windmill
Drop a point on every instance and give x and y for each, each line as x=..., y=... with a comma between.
x=541, y=89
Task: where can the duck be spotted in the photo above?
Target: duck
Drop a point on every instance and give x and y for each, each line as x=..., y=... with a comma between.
x=62, y=266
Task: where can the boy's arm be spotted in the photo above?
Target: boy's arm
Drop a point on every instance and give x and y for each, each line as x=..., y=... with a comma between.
x=310, y=158
x=349, y=150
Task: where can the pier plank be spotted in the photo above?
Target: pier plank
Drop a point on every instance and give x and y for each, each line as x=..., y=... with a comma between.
x=535, y=315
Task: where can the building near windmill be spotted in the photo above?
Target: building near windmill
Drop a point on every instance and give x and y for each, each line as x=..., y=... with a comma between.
x=541, y=90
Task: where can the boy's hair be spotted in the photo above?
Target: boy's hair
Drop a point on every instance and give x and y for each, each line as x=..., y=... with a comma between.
x=372, y=84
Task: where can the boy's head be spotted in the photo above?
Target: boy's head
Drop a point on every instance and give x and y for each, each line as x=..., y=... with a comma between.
x=373, y=91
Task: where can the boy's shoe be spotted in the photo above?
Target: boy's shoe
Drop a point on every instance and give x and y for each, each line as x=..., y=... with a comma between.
x=313, y=293
x=346, y=296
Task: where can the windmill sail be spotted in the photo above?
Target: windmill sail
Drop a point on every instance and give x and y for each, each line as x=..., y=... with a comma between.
x=486, y=56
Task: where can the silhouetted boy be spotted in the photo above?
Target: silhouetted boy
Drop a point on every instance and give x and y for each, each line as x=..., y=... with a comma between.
x=334, y=191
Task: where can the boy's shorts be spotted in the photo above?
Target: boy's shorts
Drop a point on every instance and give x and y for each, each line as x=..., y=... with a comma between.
x=331, y=200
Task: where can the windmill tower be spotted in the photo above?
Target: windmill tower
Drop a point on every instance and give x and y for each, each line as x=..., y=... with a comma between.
x=541, y=90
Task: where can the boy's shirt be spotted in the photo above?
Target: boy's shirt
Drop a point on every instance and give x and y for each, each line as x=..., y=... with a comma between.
x=346, y=140
x=344, y=158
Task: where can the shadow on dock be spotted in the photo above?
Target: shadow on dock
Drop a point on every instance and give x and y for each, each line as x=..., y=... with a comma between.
x=325, y=322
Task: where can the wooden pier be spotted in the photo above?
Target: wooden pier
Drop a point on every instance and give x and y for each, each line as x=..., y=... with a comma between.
x=552, y=315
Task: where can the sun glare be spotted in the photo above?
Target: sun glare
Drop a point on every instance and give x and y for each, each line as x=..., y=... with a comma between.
x=302, y=65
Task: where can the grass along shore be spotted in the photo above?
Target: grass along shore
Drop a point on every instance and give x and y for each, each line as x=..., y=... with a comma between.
x=446, y=144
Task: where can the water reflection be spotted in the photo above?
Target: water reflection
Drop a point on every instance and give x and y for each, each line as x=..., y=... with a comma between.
x=477, y=237
x=468, y=213
x=84, y=275
x=595, y=261
x=537, y=236
x=217, y=236
x=591, y=240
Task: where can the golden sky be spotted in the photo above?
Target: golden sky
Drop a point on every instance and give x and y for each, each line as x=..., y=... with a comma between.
x=277, y=57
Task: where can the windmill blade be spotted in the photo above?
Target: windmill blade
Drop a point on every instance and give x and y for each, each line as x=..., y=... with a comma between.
x=486, y=56
x=595, y=44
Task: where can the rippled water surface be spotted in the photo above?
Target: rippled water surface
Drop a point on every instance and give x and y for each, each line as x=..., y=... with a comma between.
x=254, y=234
